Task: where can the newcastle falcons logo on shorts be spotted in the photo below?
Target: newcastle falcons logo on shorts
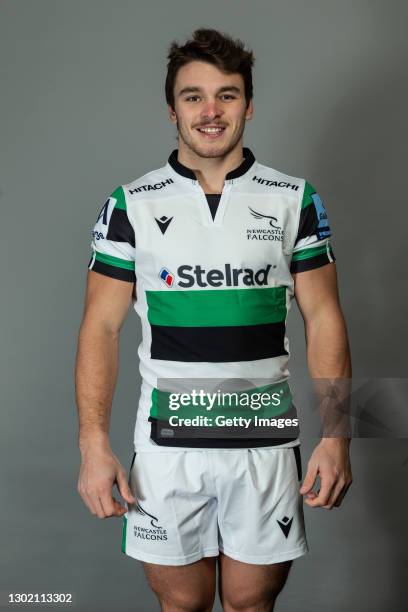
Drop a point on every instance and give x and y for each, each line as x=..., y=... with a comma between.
x=143, y=512
x=285, y=524
x=150, y=534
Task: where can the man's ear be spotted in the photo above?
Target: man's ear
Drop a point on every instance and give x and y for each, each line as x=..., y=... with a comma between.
x=172, y=114
x=250, y=110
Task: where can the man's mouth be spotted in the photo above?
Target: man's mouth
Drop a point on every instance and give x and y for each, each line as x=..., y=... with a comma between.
x=212, y=132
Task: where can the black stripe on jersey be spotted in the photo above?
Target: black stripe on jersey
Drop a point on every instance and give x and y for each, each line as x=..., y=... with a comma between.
x=218, y=344
x=120, y=229
x=307, y=223
x=311, y=263
x=113, y=271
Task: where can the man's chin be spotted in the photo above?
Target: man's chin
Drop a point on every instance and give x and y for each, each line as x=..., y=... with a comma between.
x=210, y=150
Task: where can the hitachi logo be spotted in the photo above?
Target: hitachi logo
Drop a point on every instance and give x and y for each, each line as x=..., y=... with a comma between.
x=229, y=276
x=262, y=181
x=151, y=187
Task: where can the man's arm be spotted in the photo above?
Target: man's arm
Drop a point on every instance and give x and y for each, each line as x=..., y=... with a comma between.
x=106, y=305
x=328, y=357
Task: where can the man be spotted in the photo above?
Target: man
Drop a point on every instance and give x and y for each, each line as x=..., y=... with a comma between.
x=215, y=245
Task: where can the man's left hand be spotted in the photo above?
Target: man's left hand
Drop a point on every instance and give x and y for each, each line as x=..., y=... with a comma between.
x=331, y=462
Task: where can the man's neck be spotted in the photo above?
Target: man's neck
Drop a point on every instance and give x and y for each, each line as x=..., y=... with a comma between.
x=210, y=171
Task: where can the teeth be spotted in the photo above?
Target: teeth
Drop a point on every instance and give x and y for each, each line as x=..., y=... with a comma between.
x=210, y=130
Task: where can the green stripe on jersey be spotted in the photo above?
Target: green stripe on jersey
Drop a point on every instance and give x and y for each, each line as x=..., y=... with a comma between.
x=216, y=307
x=309, y=252
x=119, y=195
x=307, y=195
x=114, y=261
x=269, y=401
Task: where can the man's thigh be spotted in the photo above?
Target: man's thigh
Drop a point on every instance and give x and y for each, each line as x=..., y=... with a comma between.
x=245, y=586
x=174, y=519
x=186, y=588
x=260, y=508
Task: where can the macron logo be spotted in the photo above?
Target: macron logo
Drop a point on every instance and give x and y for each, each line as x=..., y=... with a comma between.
x=163, y=223
x=285, y=524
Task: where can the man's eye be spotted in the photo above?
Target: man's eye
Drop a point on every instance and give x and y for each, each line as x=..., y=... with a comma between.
x=230, y=96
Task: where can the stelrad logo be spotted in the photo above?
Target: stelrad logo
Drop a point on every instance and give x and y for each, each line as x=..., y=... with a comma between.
x=167, y=277
x=197, y=276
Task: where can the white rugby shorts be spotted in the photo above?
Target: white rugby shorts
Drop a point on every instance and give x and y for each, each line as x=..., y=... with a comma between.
x=192, y=504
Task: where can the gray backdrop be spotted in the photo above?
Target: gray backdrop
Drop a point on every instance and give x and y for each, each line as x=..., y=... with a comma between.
x=83, y=110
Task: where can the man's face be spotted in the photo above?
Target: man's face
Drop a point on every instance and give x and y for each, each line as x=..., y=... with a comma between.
x=204, y=96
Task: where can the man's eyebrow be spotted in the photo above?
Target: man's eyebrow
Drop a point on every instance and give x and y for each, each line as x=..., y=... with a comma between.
x=195, y=88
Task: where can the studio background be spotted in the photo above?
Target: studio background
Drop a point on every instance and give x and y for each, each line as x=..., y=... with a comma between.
x=82, y=111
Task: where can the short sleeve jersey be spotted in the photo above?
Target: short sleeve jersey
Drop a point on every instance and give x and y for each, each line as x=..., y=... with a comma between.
x=214, y=285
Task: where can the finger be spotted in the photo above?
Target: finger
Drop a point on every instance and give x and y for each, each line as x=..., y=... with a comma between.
x=90, y=498
x=342, y=495
x=311, y=495
x=98, y=506
x=124, y=488
x=120, y=509
x=327, y=484
x=309, y=480
x=337, y=489
x=111, y=506
x=89, y=503
x=107, y=503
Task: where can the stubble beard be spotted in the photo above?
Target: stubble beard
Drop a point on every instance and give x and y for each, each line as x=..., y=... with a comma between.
x=207, y=152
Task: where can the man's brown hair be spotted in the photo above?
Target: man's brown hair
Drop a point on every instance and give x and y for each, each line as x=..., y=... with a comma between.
x=216, y=48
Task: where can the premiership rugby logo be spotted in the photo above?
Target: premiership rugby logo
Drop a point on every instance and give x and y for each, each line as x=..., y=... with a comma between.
x=323, y=229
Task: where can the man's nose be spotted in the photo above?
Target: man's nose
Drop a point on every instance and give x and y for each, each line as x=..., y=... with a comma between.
x=211, y=109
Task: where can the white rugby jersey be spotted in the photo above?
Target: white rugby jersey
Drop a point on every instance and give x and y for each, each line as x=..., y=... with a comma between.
x=213, y=294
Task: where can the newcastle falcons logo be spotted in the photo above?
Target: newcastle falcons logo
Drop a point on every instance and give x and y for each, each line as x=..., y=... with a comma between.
x=258, y=215
x=144, y=513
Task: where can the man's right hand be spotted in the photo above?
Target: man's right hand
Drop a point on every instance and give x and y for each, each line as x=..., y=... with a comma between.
x=99, y=471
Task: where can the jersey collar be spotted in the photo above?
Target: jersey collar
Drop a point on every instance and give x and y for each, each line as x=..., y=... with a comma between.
x=182, y=170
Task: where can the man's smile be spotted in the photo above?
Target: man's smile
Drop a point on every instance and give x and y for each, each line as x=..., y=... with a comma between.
x=211, y=132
